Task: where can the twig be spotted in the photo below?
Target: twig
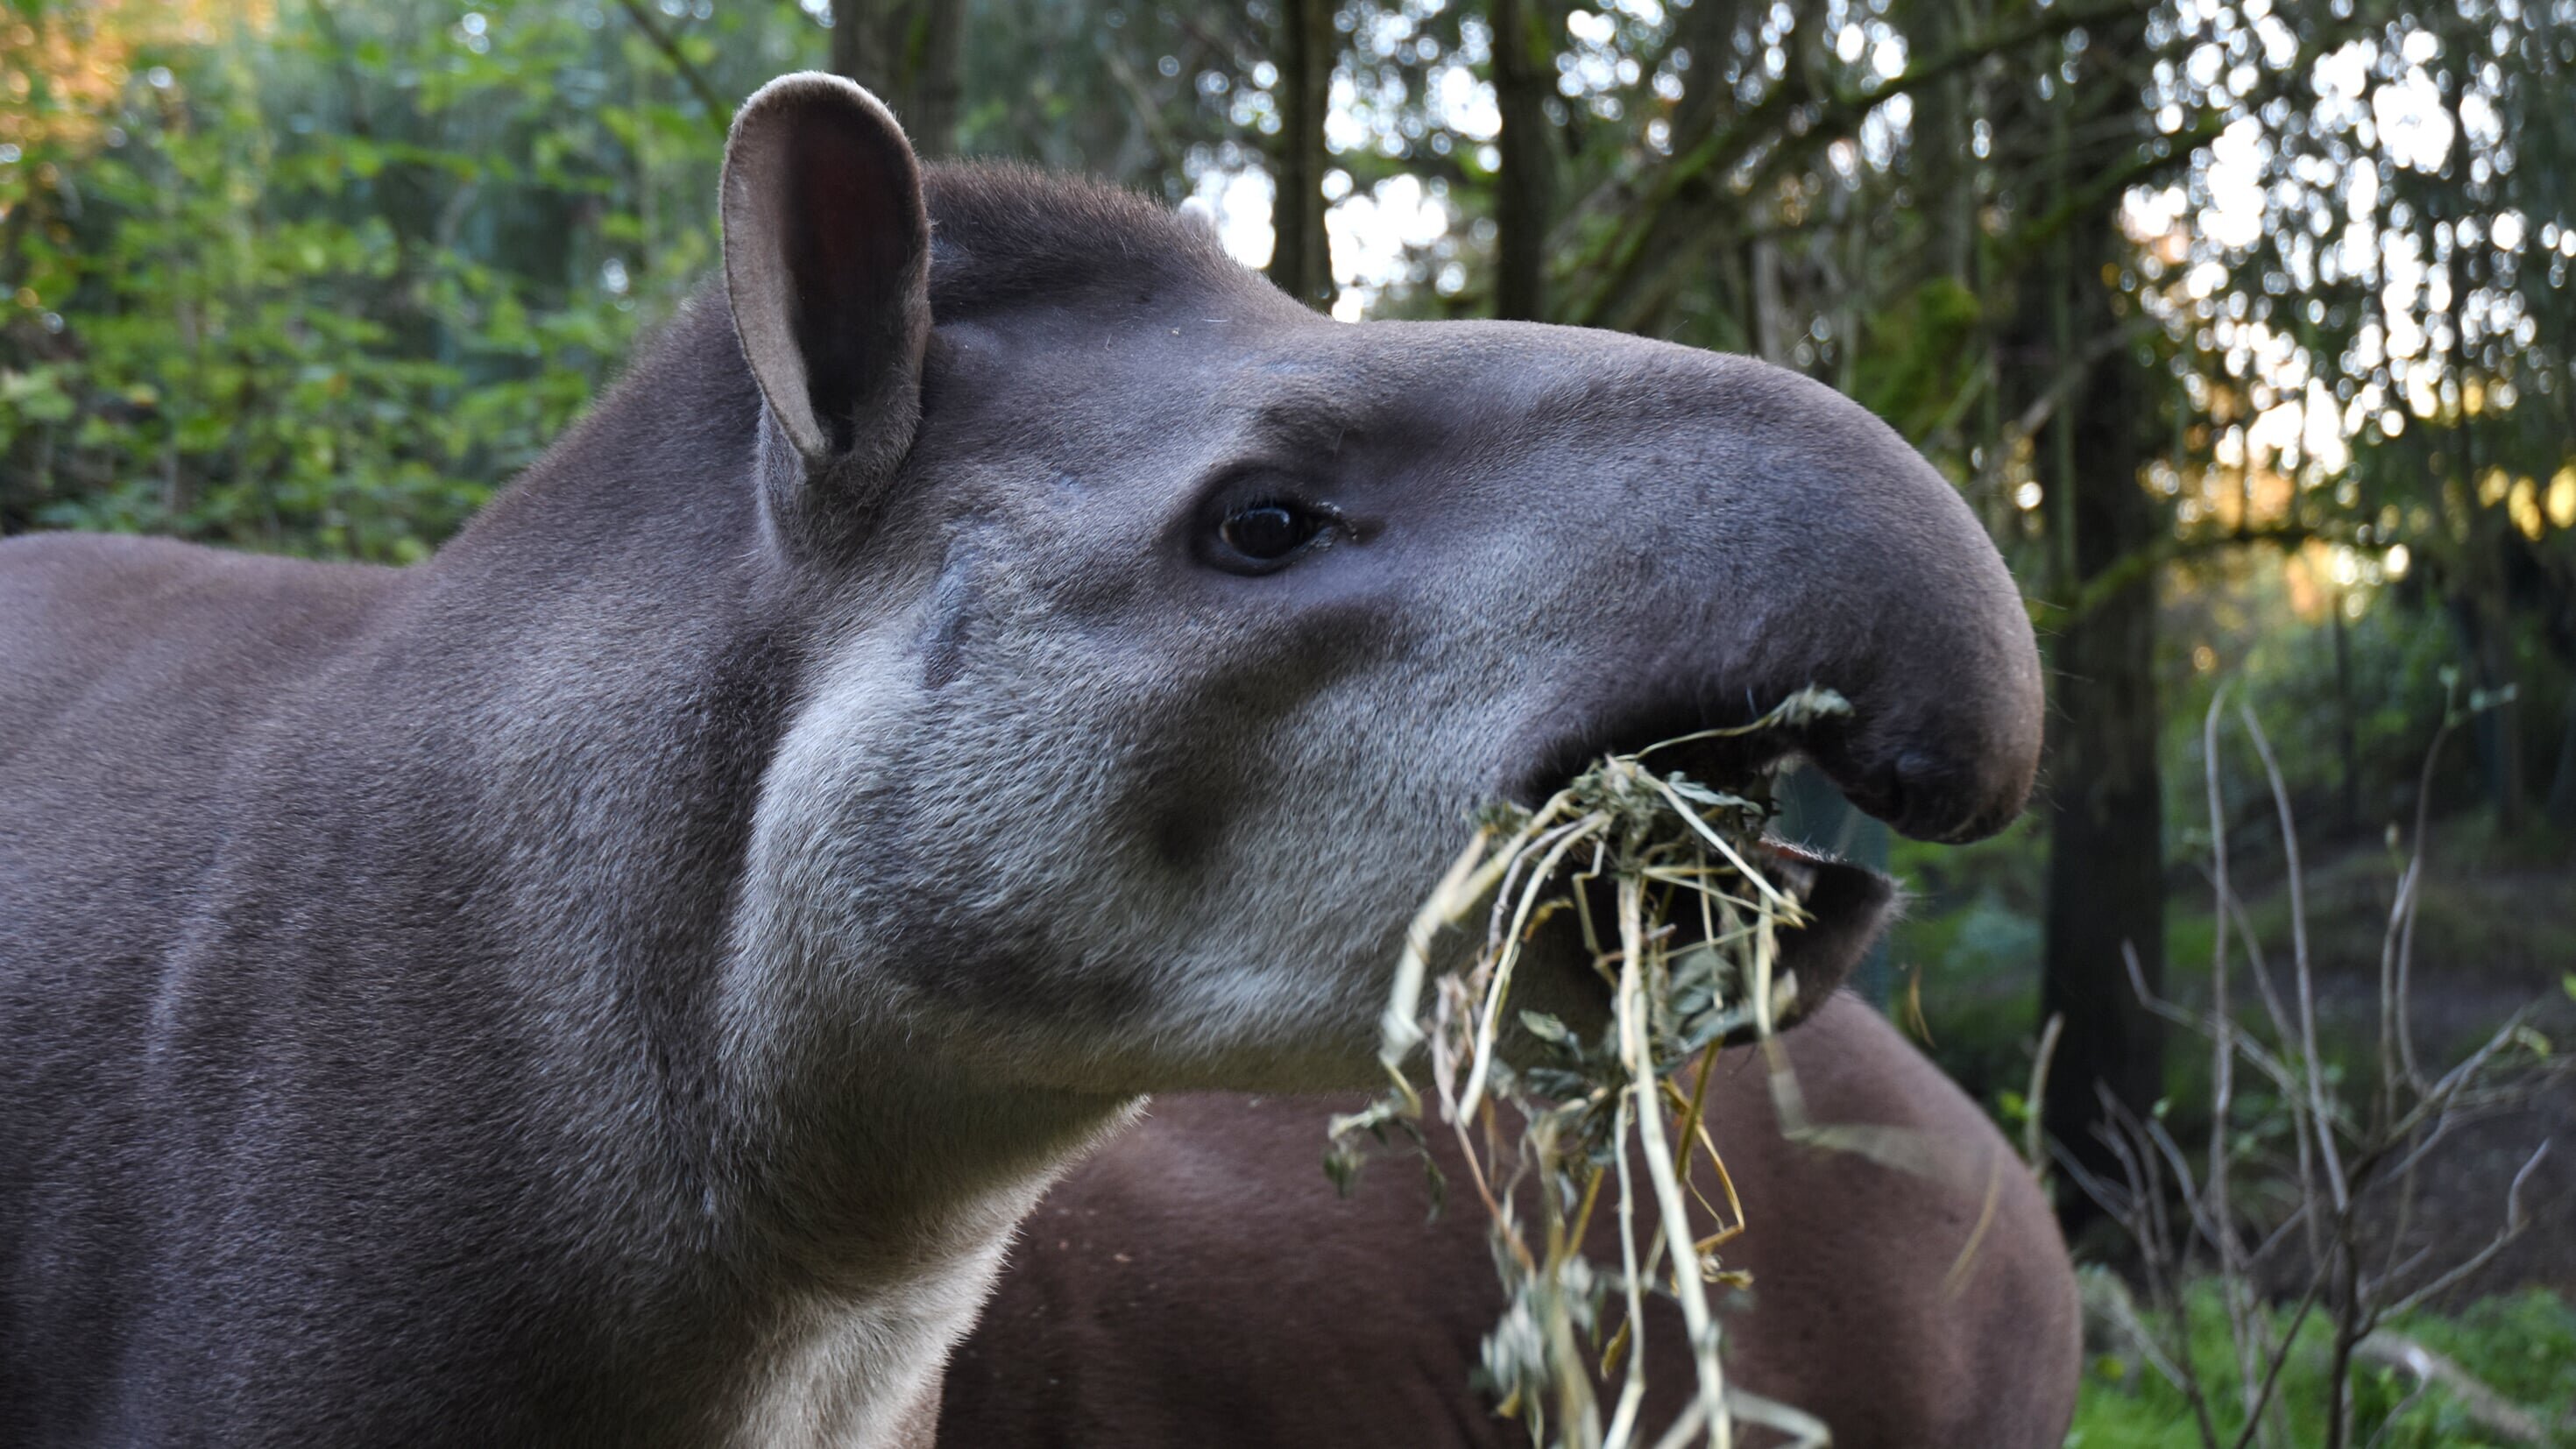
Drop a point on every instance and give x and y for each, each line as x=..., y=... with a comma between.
x=2279, y=1356
x=2039, y=1065
x=2313, y=1066
x=2406, y=943
x=2254, y=1052
x=719, y=115
x=2514, y=1223
x=2490, y=1409
x=2243, y=1313
x=2393, y=1065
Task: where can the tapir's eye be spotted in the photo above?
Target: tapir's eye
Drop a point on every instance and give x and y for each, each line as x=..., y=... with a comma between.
x=1268, y=531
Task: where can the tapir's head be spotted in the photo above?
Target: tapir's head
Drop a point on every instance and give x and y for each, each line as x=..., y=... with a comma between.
x=1168, y=634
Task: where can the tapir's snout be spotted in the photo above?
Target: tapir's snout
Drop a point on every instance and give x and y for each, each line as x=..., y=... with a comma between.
x=1941, y=793
x=1793, y=539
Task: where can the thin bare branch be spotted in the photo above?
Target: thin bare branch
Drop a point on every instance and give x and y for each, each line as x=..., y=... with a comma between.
x=719, y=115
x=2281, y=1355
x=2254, y=1053
x=2304, y=972
x=2040, y=1061
x=2515, y=1221
x=2244, y=1312
x=2490, y=1409
x=2395, y=1065
x=2416, y=851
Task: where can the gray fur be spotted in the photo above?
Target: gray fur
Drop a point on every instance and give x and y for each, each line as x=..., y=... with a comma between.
x=618, y=981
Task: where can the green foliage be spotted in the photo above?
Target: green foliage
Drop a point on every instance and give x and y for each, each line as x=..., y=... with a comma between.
x=2268, y=634
x=323, y=288
x=1922, y=350
x=2522, y=1346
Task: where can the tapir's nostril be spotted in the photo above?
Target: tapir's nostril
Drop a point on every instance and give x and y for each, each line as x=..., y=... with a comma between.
x=1929, y=789
x=1939, y=798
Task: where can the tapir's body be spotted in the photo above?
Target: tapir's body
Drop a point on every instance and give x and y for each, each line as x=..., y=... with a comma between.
x=1196, y=1282
x=619, y=981
x=352, y=1157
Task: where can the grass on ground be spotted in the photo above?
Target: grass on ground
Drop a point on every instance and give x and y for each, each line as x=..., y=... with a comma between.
x=2521, y=1345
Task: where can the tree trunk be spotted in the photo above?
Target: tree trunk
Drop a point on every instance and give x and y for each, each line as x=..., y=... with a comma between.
x=2562, y=781
x=1944, y=164
x=1301, y=257
x=905, y=51
x=2557, y=587
x=2481, y=616
x=1769, y=324
x=1524, y=194
x=2347, y=733
x=2105, y=888
x=2105, y=893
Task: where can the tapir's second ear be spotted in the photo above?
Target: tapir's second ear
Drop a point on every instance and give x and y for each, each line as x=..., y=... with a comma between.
x=827, y=265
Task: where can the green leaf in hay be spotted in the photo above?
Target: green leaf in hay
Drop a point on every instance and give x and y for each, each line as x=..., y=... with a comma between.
x=1546, y=1028
x=1342, y=1165
x=1690, y=789
x=1436, y=1183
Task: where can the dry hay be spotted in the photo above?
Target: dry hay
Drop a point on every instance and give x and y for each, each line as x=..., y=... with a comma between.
x=1609, y=1123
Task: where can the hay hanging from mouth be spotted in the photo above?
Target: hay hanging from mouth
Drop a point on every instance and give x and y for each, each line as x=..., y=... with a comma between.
x=1606, y=1126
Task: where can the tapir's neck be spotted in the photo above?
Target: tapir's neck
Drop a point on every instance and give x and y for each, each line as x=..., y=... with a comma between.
x=904, y=1159
x=792, y=1185
x=876, y=1280
x=745, y=1162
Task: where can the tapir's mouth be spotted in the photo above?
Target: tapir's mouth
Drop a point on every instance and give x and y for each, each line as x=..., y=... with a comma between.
x=1675, y=745
x=1846, y=906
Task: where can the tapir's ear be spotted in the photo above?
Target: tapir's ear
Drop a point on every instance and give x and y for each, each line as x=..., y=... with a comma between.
x=827, y=265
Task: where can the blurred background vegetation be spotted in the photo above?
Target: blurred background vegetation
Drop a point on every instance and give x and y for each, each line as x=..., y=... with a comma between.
x=2244, y=325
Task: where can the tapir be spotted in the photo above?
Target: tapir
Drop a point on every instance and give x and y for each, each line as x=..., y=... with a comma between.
x=621, y=980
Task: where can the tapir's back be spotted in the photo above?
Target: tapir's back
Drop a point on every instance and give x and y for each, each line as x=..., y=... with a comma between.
x=102, y=630
x=131, y=672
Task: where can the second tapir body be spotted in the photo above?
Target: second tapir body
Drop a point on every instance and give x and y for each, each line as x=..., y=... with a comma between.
x=619, y=981
x=1196, y=1282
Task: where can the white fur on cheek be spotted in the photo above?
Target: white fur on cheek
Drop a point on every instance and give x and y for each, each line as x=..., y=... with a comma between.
x=805, y=999
x=795, y=934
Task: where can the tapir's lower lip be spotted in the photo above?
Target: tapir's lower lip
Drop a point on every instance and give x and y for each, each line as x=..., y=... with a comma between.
x=1846, y=906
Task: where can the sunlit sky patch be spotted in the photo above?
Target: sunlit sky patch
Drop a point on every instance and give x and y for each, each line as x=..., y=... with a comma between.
x=1379, y=233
